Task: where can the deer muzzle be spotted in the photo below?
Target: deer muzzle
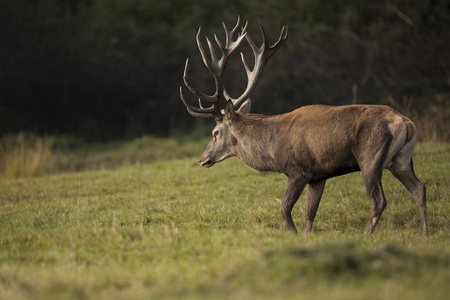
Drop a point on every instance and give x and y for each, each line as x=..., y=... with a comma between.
x=206, y=162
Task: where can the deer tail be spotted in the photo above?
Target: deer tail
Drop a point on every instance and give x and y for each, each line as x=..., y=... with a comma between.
x=411, y=129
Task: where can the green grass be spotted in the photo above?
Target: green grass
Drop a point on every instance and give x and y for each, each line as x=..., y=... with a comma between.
x=171, y=229
x=26, y=155
x=73, y=156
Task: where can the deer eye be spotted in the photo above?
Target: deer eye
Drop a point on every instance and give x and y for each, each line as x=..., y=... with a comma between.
x=215, y=134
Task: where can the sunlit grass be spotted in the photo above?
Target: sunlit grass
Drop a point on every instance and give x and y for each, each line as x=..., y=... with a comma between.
x=25, y=156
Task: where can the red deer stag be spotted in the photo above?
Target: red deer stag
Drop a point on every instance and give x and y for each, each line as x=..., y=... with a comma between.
x=310, y=144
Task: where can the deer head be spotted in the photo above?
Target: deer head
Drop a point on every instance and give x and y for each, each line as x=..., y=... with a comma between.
x=222, y=139
x=221, y=144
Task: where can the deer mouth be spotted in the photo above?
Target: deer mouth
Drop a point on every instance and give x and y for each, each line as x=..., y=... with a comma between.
x=206, y=163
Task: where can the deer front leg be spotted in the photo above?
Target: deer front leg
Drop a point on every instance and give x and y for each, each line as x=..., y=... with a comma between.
x=314, y=194
x=293, y=191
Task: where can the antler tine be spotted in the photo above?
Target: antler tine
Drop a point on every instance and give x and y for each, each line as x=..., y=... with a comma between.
x=196, y=92
x=235, y=27
x=198, y=112
x=281, y=40
x=211, y=51
x=207, y=63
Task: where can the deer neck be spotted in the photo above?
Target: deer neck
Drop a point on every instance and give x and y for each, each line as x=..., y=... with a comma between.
x=253, y=134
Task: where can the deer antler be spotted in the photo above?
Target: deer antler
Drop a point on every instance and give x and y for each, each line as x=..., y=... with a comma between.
x=262, y=56
x=217, y=66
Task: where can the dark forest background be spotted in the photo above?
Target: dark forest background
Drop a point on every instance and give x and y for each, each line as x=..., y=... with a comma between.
x=111, y=69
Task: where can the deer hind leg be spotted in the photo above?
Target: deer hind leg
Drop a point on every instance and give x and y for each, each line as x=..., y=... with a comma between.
x=372, y=181
x=314, y=195
x=293, y=191
x=402, y=168
x=371, y=158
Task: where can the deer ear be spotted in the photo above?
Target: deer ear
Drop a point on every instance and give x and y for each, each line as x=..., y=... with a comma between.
x=246, y=106
x=229, y=110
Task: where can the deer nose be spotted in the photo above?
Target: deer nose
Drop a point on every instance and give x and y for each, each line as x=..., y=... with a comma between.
x=205, y=162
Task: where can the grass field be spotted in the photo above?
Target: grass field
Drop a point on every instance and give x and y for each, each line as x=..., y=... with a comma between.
x=171, y=229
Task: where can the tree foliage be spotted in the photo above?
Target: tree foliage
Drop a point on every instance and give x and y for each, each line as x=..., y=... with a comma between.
x=112, y=69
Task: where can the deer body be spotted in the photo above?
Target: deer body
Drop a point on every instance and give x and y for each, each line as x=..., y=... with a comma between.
x=310, y=144
x=318, y=140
